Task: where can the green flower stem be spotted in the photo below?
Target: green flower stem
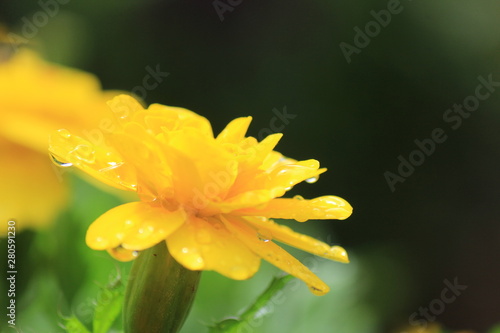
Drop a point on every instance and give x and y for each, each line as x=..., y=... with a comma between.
x=159, y=294
x=276, y=286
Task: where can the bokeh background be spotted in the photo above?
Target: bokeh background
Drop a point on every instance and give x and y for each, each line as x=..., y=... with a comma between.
x=356, y=117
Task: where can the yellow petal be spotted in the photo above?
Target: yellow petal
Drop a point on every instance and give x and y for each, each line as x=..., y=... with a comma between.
x=102, y=163
x=124, y=108
x=254, y=154
x=289, y=175
x=215, y=166
x=274, y=254
x=270, y=230
x=240, y=201
x=122, y=254
x=235, y=131
x=142, y=151
x=206, y=244
x=184, y=118
x=322, y=208
x=133, y=226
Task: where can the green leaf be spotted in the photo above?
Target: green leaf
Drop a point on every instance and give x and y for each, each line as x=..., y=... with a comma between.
x=74, y=325
x=109, y=306
x=252, y=317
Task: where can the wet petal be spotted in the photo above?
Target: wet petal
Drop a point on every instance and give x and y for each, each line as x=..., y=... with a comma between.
x=273, y=231
x=141, y=150
x=133, y=226
x=100, y=162
x=240, y=201
x=122, y=254
x=274, y=254
x=124, y=107
x=208, y=245
x=322, y=208
x=289, y=175
x=184, y=118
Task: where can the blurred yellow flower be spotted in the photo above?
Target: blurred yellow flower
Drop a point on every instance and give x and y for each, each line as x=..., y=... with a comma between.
x=210, y=198
x=37, y=98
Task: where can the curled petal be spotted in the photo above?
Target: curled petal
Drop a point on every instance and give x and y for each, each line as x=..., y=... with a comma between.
x=208, y=245
x=322, y=208
x=273, y=231
x=184, y=118
x=235, y=131
x=274, y=254
x=98, y=161
x=133, y=226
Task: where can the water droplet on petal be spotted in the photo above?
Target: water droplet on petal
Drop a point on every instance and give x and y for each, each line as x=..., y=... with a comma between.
x=84, y=153
x=338, y=253
x=64, y=133
x=100, y=242
x=300, y=218
x=146, y=232
x=111, y=166
x=298, y=197
x=264, y=235
x=122, y=254
x=312, y=180
x=60, y=163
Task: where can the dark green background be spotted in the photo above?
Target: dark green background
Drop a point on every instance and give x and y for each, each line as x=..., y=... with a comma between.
x=356, y=119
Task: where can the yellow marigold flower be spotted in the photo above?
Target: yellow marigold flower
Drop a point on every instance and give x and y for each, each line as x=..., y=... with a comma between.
x=37, y=98
x=210, y=198
x=431, y=328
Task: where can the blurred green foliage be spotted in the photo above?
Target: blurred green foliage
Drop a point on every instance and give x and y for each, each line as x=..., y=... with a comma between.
x=356, y=118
